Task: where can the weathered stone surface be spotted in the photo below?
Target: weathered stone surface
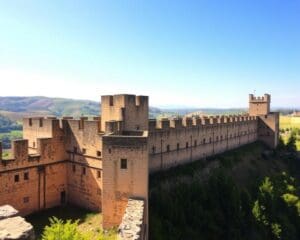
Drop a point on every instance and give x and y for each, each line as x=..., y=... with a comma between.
x=132, y=226
x=7, y=211
x=16, y=228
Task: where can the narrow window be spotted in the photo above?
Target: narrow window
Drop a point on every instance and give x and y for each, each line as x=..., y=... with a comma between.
x=137, y=127
x=168, y=148
x=123, y=163
x=33, y=144
x=83, y=151
x=75, y=149
x=177, y=146
x=153, y=149
x=186, y=145
x=25, y=199
x=41, y=122
x=210, y=140
x=109, y=150
x=83, y=171
x=98, y=174
x=17, y=178
x=98, y=154
x=30, y=122
x=204, y=140
x=74, y=168
x=26, y=176
x=195, y=143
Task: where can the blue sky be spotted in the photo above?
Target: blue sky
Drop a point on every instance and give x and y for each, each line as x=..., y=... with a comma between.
x=188, y=53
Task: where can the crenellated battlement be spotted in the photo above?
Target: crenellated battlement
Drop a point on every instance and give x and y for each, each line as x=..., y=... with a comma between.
x=192, y=122
x=265, y=98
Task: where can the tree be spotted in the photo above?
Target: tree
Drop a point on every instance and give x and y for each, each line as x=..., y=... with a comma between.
x=291, y=143
x=277, y=208
x=61, y=230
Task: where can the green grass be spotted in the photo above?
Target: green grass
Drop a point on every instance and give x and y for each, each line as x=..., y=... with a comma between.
x=289, y=122
x=89, y=222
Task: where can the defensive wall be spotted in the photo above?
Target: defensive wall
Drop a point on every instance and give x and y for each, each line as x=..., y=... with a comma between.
x=100, y=163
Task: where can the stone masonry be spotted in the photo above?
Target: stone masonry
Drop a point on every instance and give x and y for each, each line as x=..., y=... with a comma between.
x=102, y=162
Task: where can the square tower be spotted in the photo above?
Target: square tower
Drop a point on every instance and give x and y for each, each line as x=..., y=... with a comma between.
x=130, y=111
x=259, y=105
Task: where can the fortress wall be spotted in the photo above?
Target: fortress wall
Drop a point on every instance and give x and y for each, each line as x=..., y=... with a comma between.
x=122, y=181
x=172, y=143
x=34, y=128
x=268, y=129
x=84, y=186
x=84, y=171
x=33, y=188
x=83, y=137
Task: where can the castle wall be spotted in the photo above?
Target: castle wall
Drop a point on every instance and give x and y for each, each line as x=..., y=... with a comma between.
x=34, y=128
x=33, y=188
x=170, y=146
x=268, y=129
x=125, y=175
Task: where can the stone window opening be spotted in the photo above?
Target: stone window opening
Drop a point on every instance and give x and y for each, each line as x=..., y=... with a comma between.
x=83, y=171
x=195, y=143
x=26, y=176
x=204, y=140
x=137, y=127
x=98, y=154
x=98, y=174
x=83, y=151
x=30, y=122
x=75, y=149
x=168, y=148
x=109, y=150
x=123, y=163
x=25, y=199
x=186, y=144
x=17, y=178
x=177, y=146
x=41, y=122
x=33, y=144
x=74, y=168
x=153, y=149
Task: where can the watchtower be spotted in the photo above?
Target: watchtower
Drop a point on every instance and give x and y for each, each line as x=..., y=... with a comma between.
x=259, y=105
x=130, y=111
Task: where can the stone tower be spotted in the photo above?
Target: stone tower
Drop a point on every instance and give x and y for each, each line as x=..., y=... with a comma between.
x=259, y=105
x=124, y=121
x=268, y=122
x=124, y=113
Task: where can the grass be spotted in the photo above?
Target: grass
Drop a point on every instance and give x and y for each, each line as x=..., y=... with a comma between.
x=289, y=122
x=89, y=222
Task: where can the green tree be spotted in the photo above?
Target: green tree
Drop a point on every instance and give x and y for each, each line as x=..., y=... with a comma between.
x=291, y=143
x=60, y=230
x=277, y=207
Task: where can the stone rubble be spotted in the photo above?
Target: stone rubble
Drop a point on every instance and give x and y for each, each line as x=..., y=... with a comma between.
x=13, y=227
x=132, y=226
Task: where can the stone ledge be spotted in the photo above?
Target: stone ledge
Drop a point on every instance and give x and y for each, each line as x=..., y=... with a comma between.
x=132, y=226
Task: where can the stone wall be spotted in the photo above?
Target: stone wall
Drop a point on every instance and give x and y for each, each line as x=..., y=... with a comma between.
x=133, y=225
x=179, y=141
